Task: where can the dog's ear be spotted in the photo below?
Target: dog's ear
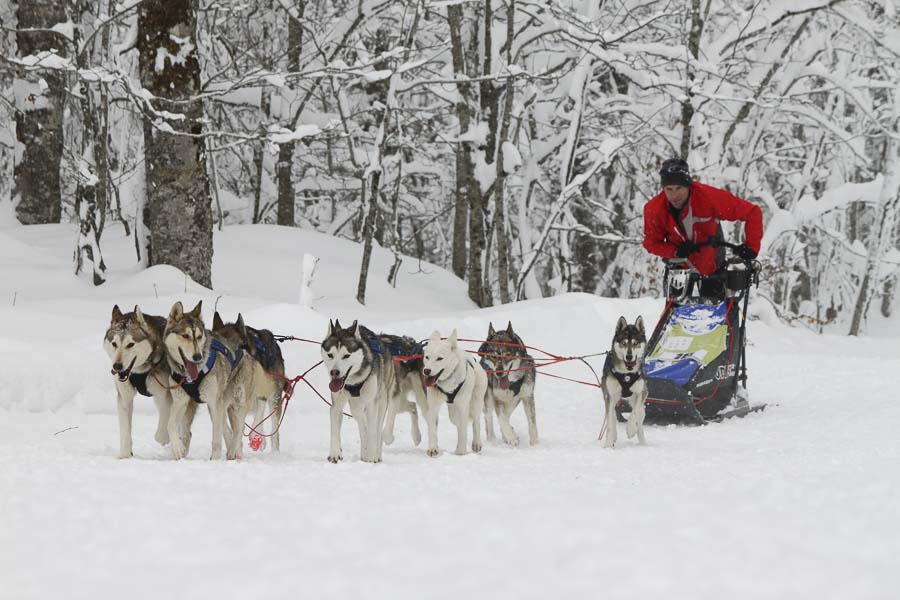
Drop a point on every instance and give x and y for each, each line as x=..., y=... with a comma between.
x=355, y=329
x=330, y=331
x=435, y=336
x=217, y=322
x=491, y=330
x=139, y=317
x=509, y=328
x=621, y=324
x=116, y=314
x=453, y=343
x=196, y=313
x=242, y=329
x=640, y=324
x=177, y=312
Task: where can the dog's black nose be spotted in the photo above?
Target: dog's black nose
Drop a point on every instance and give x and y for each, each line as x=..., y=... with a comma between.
x=117, y=366
x=426, y=371
x=197, y=357
x=335, y=373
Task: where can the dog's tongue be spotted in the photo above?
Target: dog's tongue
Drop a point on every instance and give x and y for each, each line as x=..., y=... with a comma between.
x=336, y=385
x=504, y=382
x=191, y=370
x=431, y=381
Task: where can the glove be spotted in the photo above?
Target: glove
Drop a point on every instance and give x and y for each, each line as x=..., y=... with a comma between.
x=745, y=252
x=685, y=249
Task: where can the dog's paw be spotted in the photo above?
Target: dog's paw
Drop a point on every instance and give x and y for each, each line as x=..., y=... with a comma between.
x=417, y=437
x=476, y=447
x=335, y=459
x=178, y=449
x=162, y=437
x=511, y=440
x=434, y=452
x=533, y=441
x=388, y=438
x=125, y=454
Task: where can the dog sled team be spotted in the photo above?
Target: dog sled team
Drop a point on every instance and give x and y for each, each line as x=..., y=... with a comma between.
x=238, y=371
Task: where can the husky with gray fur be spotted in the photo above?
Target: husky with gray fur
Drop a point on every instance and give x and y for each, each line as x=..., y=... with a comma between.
x=133, y=342
x=363, y=378
x=453, y=377
x=256, y=383
x=511, y=382
x=188, y=345
x=623, y=379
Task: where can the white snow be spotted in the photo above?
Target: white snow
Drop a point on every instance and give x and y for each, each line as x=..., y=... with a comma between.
x=793, y=502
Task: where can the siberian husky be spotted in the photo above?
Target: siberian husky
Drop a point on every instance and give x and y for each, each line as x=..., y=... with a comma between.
x=623, y=379
x=133, y=342
x=201, y=363
x=362, y=373
x=256, y=383
x=511, y=382
x=454, y=377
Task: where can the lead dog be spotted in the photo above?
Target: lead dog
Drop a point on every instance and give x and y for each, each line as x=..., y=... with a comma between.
x=453, y=377
x=133, y=342
x=623, y=379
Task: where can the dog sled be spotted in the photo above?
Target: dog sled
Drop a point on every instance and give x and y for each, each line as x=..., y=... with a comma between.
x=695, y=362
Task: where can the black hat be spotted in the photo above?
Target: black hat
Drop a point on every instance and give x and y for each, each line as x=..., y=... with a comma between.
x=675, y=171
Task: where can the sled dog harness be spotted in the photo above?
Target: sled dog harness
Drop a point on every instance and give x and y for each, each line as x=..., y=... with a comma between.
x=626, y=380
x=216, y=347
x=354, y=390
x=139, y=382
x=451, y=396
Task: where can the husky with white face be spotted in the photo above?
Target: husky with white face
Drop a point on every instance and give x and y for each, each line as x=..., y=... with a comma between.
x=362, y=377
x=453, y=377
x=133, y=342
x=624, y=379
x=201, y=363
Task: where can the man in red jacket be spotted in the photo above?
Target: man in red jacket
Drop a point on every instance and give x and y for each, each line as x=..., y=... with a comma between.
x=686, y=214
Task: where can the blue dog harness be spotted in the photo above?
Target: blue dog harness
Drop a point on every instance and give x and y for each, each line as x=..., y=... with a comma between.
x=216, y=347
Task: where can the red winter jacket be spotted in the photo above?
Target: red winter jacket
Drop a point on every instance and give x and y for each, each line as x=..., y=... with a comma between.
x=700, y=217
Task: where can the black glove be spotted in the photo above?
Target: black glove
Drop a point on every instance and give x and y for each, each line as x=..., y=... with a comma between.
x=685, y=249
x=745, y=252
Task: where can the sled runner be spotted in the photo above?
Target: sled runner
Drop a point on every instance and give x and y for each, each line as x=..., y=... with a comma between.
x=695, y=362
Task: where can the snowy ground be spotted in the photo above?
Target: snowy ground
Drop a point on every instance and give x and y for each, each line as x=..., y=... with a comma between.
x=793, y=502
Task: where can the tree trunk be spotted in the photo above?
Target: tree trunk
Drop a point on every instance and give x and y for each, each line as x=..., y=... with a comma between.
x=39, y=118
x=465, y=168
x=687, y=106
x=90, y=191
x=7, y=99
x=259, y=153
x=500, y=194
x=178, y=213
x=285, y=168
x=883, y=228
